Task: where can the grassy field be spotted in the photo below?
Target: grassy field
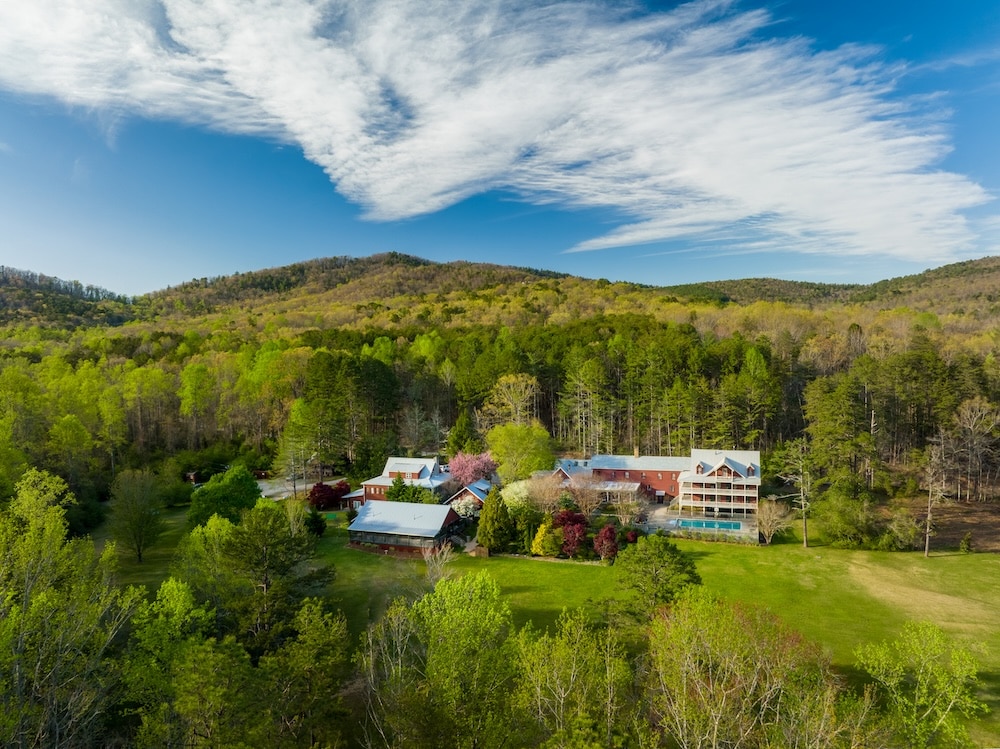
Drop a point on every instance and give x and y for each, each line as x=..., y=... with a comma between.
x=840, y=599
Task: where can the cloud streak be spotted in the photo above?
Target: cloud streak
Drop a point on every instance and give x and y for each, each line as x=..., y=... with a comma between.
x=694, y=124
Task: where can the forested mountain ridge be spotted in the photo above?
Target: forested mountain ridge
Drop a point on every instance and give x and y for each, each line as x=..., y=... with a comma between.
x=966, y=287
x=970, y=287
x=356, y=281
x=26, y=296
x=397, y=290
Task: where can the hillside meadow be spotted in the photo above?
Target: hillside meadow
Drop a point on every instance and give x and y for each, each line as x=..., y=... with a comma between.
x=838, y=598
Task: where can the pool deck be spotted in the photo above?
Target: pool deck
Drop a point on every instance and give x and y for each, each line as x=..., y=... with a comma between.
x=663, y=517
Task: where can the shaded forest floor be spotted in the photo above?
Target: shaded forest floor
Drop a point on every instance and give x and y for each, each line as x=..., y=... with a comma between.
x=952, y=520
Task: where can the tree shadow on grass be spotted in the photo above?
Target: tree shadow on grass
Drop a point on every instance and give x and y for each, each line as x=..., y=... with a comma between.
x=989, y=692
x=698, y=554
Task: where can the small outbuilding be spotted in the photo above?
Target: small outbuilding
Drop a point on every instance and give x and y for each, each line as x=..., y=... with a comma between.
x=477, y=491
x=402, y=525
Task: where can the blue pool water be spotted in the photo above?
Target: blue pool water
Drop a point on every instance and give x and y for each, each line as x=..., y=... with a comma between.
x=721, y=525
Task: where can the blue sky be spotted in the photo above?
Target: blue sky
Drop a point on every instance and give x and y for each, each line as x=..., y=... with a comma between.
x=147, y=142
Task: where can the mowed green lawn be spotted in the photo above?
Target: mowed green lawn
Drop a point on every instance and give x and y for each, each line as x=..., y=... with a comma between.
x=839, y=599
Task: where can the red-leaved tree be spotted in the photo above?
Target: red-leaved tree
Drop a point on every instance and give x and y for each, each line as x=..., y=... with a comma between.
x=568, y=517
x=606, y=542
x=468, y=468
x=574, y=535
x=574, y=528
x=326, y=497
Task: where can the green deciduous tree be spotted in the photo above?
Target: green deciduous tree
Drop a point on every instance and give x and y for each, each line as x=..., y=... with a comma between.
x=928, y=682
x=513, y=399
x=655, y=570
x=214, y=699
x=577, y=677
x=13, y=461
x=390, y=662
x=70, y=448
x=303, y=677
x=431, y=681
x=470, y=684
x=727, y=675
x=400, y=491
x=199, y=397
x=61, y=617
x=520, y=450
x=226, y=494
x=160, y=630
x=202, y=564
x=136, y=511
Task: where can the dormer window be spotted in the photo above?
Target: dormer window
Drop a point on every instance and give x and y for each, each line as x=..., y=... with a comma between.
x=749, y=470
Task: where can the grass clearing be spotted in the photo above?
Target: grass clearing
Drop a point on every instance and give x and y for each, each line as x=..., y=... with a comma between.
x=155, y=567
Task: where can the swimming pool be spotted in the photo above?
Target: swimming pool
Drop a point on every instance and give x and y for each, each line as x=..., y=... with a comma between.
x=715, y=525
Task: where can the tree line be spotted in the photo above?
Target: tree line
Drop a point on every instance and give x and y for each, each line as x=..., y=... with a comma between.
x=87, y=404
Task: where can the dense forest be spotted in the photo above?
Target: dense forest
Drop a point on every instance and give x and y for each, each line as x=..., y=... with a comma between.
x=855, y=395
x=361, y=358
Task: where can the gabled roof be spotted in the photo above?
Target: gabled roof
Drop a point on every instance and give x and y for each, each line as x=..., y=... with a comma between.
x=745, y=463
x=412, y=465
x=403, y=518
x=570, y=466
x=429, y=472
x=478, y=489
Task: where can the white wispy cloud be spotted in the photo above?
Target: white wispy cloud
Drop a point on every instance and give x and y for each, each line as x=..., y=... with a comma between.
x=695, y=123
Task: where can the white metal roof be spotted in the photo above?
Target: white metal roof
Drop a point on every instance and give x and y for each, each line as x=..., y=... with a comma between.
x=400, y=518
x=739, y=460
x=651, y=463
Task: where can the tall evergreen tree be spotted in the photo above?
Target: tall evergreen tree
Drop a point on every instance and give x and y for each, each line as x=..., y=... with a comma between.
x=495, y=526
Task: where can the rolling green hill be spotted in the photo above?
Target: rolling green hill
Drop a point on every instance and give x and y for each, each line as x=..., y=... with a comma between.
x=396, y=290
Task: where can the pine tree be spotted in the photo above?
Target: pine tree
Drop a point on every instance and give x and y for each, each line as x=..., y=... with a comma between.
x=495, y=526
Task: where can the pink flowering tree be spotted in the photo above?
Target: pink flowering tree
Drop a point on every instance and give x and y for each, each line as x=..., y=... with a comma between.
x=468, y=468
